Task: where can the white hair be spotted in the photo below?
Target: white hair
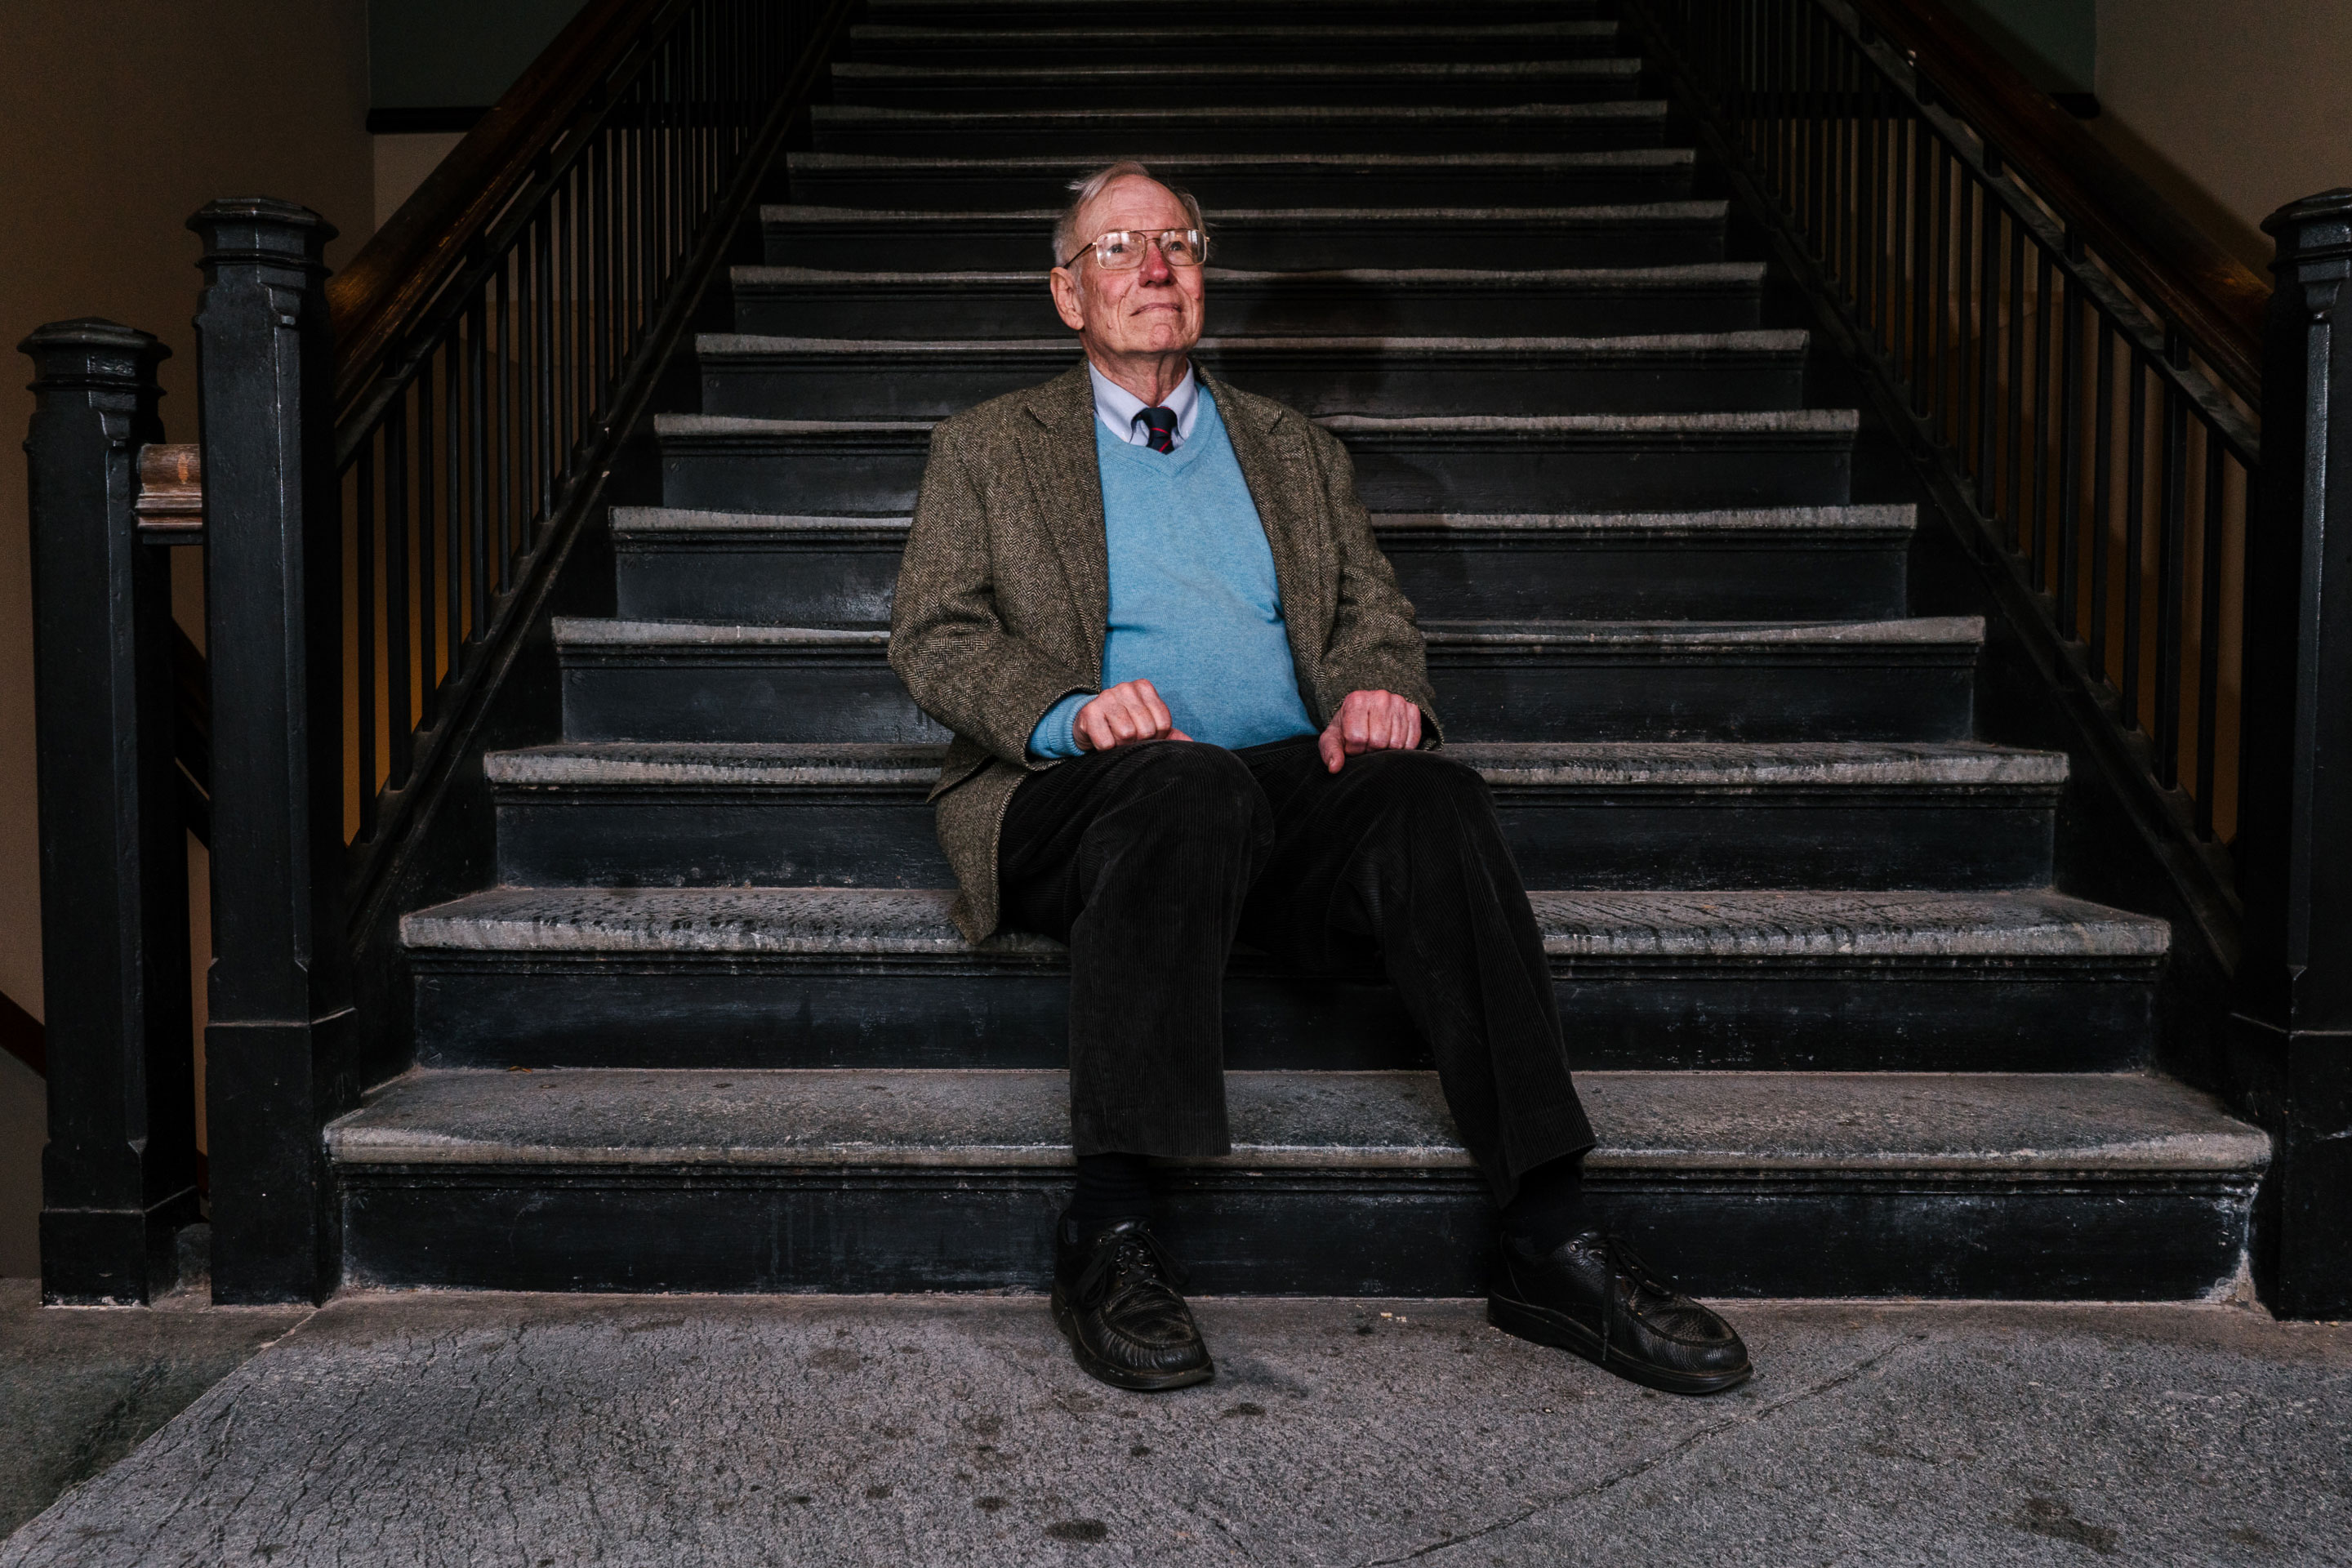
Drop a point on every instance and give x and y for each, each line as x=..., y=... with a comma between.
x=1066, y=237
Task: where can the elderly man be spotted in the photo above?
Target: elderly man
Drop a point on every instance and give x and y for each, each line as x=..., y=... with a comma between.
x=1190, y=706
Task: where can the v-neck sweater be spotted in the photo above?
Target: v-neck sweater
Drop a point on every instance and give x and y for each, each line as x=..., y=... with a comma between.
x=1194, y=605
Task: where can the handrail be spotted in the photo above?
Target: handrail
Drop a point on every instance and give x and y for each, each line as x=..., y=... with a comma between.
x=2215, y=300
x=406, y=265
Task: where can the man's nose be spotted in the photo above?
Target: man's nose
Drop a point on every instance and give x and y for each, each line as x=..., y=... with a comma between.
x=1155, y=264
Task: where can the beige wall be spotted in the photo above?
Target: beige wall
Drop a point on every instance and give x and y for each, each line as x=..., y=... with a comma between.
x=2232, y=110
x=118, y=119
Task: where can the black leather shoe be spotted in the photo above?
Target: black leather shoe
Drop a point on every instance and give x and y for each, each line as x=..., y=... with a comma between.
x=1114, y=1301
x=1589, y=1294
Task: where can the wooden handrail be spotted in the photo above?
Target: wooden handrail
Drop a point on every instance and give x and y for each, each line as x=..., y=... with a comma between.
x=405, y=265
x=2215, y=300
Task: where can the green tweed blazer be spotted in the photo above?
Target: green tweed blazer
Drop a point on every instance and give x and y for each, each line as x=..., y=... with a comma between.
x=1003, y=596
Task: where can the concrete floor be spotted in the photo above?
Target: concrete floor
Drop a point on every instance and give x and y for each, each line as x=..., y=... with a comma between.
x=549, y=1431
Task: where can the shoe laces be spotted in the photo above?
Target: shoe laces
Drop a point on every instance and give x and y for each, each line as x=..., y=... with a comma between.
x=1134, y=1260
x=1645, y=1296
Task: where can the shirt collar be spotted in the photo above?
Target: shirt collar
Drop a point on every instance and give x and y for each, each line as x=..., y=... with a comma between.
x=1118, y=408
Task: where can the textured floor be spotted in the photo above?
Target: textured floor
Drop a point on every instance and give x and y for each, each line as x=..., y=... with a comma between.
x=551, y=1431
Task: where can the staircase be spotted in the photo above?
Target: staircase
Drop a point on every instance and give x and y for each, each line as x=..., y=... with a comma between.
x=1837, y=1029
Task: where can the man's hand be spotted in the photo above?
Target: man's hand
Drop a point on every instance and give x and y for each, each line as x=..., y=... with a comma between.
x=1370, y=722
x=1128, y=714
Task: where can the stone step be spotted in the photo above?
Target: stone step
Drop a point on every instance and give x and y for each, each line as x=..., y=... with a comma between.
x=1628, y=462
x=1007, y=87
x=2111, y=1186
x=1289, y=240
x=1223, y=181
x=1352, y=129
x=1707, y=297
x=897, y=378
x=1495, y=680
x=1779, y=562
x=1577, y=814
x=1017, y=15
x=1184, y=41
x=779, y=977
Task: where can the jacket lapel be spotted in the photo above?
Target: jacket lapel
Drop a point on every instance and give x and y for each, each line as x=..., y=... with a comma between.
x=1057, y=452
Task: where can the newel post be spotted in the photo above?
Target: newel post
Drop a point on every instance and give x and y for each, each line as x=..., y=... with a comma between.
x=119, y=1176
x=275, y=1049
x=2295, y=976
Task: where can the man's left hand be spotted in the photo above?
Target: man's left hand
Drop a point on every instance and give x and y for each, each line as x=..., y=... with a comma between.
x=1370, y=722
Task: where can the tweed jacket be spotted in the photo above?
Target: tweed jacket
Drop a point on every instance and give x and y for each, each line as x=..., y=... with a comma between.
x=1004, y=595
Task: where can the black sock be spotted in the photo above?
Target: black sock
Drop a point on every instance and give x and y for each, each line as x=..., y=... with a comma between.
x=1550, y=1201
x=1111, y=1186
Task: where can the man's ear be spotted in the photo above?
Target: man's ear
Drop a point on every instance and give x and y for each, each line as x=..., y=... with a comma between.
x=1069, y=302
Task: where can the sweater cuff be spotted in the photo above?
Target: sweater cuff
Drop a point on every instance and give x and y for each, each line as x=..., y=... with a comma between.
x=1054, y=738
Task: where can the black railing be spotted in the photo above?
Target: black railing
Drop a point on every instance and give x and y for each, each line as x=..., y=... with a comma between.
x=471, y=432
x=2093, y=395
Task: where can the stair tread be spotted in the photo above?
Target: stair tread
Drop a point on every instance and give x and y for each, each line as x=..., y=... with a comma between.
x=1182, y=163
x=1604, y=68
x=583, y=631
x=1776, y=924
x=850, y=116
x=1333, y=32
x=1831, y=422
x=1866, y=520
x=971, y=351
x=1999, y=1124
x=1683, y=764
x=1229, y=217
x=1691, y=274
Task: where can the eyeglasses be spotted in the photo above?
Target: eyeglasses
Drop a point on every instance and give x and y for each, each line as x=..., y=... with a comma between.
x=1122, y=249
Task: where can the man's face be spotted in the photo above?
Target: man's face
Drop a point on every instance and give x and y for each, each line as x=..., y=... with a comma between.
x=1154, y=308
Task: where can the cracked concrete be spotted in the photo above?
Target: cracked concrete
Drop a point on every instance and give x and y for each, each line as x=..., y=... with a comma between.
x=558, y=1430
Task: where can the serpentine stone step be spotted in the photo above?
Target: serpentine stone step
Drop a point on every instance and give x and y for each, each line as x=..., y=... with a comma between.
x=1495, y=680
x=1030, y=14
x=1337, y=1184
x=1143, y=85
x=1353, y=130
x=1606, y=462
x=1588, y=814
x=896, y=378
x=2025, y=980
x=1785, y=562
x=1185, y=40
x=1224, y=180
x=1706, y=297
x=1300, y=238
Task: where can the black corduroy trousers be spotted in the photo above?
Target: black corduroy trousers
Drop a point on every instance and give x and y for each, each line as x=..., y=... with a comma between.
x=1150, y=861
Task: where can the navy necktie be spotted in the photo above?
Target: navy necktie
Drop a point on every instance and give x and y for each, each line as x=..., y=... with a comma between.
x=1162, y=422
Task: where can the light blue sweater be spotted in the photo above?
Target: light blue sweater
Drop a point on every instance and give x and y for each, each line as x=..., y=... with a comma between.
x=1193, y=605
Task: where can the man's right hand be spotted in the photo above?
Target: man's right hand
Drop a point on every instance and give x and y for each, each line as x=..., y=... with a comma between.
x=1124, y=715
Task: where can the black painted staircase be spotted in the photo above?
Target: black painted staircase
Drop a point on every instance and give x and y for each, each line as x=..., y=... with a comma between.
x=1839, y=1031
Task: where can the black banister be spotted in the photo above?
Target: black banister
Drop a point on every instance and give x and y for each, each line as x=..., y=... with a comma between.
x=2294, y=980
x=119, y=1176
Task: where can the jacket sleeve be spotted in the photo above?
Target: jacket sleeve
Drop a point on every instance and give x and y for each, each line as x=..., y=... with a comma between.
x=1374, y=644
x=947, y=643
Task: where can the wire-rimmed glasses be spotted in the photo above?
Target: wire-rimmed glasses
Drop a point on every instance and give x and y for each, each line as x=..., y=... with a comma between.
x=1123, y=249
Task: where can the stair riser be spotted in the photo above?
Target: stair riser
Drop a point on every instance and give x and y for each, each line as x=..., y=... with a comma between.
x=1026, y=311
x=877, y=476
x=1847, y=839
x=1025, y=136
x=881, y=386
x=497, y=1012
x=960, y=191
x=986, y=245
x=1330, y=45
x=757, y=696
x=960, y=93
x=1384, y=1233
x=782, y=584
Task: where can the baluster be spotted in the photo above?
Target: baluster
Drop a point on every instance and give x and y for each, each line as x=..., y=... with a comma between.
x=2135, y=535
x=398, y=635
x=119, y=1176
x=2172, y=513
x=2070, y=442
x=2209, y=534
x=2103, y=421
